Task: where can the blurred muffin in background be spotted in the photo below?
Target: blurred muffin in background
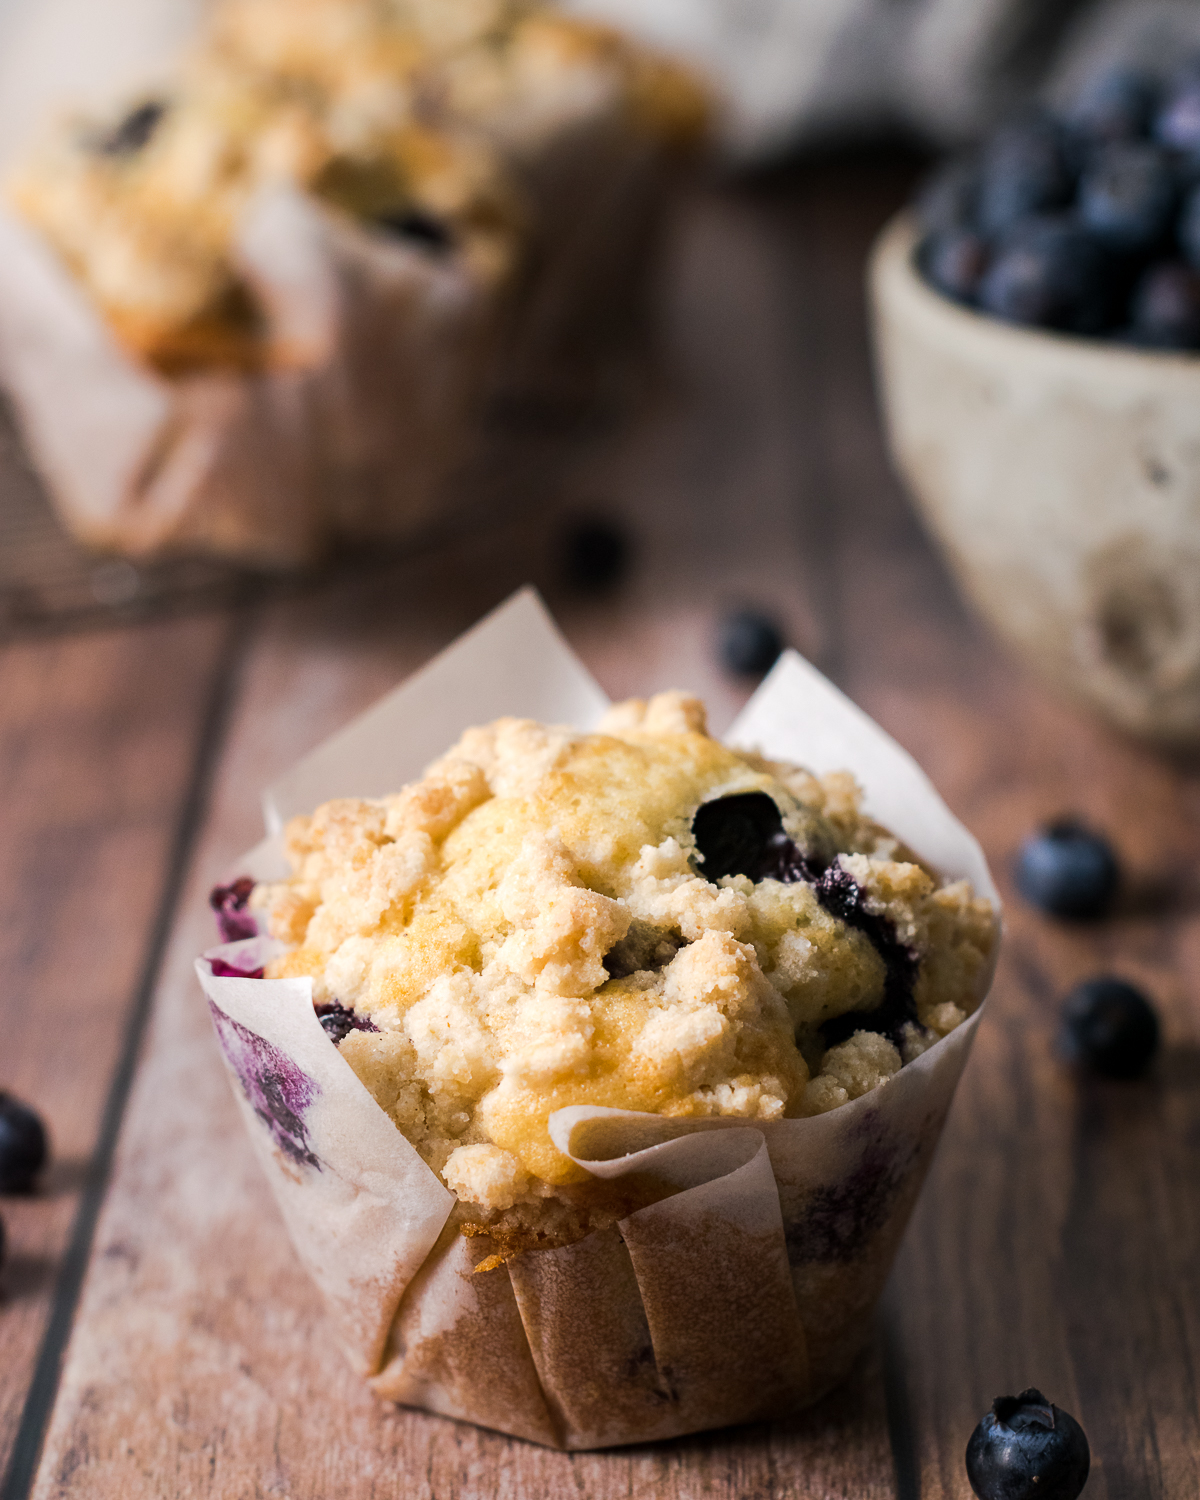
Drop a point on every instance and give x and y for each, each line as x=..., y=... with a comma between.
x=394, y=205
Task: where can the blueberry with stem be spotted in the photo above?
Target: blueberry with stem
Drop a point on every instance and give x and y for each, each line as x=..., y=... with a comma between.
x=1026, y=1448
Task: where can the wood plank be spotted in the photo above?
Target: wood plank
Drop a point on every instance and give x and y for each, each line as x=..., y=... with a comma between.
x=1058, y=1239
x=200, y=1364
x=98, y=743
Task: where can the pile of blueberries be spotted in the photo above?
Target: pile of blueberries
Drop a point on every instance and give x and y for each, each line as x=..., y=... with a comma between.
x=1085, y=221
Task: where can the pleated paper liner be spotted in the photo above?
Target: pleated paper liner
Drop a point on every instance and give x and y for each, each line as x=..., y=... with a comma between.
x=743, y=1293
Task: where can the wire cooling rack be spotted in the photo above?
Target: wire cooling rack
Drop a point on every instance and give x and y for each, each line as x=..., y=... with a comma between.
x=49, y=582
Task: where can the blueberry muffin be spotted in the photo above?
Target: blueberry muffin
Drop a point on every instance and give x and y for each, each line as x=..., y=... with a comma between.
x=640, y=918
x=417, y=121
x=145, y=209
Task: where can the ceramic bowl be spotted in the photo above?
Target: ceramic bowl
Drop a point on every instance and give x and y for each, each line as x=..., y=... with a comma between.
x=1061, y=476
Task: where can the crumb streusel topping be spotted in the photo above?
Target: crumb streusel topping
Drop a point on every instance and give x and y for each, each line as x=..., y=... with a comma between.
x=531, y=926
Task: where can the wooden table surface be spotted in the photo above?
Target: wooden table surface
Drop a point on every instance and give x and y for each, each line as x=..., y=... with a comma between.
x=157, y=1337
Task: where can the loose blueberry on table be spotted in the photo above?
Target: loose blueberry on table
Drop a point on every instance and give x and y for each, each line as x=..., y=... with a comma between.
x=595, y=553
x=23, y=1145
x=749, y=643
x=1027, y=1449
x=1067, y=870
x=1086, y=222
x=1108, y=1028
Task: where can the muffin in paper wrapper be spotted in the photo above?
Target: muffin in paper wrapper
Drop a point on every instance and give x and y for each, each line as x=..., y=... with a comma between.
x=386, y=362
x=745, y=1293
x=380, y=354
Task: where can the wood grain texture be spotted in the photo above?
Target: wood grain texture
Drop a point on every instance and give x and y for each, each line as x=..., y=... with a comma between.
x=1058, y=1238
x=98, y=742
x=1059, y=1243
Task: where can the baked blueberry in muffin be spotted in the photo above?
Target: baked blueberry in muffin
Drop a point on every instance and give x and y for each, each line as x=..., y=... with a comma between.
x=640, y=918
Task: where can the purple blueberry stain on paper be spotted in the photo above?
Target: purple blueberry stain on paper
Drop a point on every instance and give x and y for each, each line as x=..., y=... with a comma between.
x=223, y=970
x=838, y=1219
x=277, y=1090
x=231, y=904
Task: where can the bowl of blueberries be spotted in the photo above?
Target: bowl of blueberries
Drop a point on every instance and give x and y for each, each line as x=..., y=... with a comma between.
x=1037, y=331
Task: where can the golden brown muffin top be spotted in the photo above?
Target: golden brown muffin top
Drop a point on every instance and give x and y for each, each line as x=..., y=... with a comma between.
x=640, y=918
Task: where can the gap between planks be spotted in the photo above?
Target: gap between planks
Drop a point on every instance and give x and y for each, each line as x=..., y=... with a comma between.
x=43, y=1389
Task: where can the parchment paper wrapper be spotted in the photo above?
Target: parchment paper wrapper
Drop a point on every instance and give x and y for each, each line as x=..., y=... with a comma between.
x=745, y=1293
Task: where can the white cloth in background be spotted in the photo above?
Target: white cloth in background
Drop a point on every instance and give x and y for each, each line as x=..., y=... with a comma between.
x=805, y=70
x=791, y=71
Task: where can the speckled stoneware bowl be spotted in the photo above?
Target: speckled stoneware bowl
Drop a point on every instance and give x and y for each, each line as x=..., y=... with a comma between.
x=1061, y=476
